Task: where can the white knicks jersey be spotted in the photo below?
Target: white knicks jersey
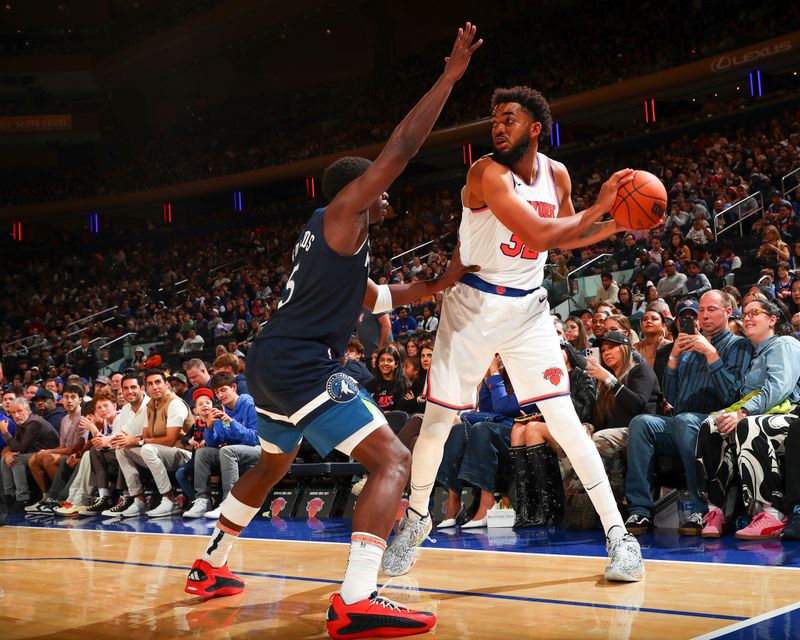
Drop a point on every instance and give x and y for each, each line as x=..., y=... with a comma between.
x=503, y=258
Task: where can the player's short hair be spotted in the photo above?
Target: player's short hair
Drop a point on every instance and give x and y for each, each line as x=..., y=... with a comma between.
x=341, y=173
x=530, y=100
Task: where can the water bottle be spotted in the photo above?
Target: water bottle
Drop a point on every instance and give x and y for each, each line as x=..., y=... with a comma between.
x=685, y=506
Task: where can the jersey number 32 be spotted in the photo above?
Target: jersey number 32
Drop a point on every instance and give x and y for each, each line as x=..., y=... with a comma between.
x=515, y=248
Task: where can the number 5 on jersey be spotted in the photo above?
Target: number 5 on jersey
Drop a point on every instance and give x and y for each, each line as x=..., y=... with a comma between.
x=515, y=248
x=289, y=289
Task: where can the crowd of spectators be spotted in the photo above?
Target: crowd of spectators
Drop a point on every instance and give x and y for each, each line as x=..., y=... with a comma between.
x=236, y=136
x=676, y=355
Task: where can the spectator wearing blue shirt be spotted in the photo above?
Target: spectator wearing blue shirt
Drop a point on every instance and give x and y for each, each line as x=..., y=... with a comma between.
x=9, y=395
x=230, y=441
x=703, y=375
x=476, y=447
x=404, y=323
x=738, y=449
x=229, y=363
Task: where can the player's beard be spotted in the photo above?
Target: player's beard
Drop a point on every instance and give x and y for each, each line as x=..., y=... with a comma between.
x=514, y=154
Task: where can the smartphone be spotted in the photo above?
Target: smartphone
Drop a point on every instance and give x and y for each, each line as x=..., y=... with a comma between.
x=686, y=324
x=593, y=355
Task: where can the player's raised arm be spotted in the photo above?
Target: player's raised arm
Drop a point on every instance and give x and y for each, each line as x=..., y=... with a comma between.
x=407, y=137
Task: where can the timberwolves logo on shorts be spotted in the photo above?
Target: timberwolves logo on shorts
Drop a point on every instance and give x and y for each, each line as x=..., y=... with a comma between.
x=342, y=388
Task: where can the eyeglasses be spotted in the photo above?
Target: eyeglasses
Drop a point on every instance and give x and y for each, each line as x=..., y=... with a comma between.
x=753, y=313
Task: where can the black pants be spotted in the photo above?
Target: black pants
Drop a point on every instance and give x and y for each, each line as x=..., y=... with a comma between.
x=792, y=460
x=104, y=467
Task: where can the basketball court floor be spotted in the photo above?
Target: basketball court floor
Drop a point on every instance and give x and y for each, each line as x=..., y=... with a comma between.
x=91, y=578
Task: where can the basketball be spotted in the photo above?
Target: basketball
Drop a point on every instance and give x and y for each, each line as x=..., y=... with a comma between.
x=640, y=204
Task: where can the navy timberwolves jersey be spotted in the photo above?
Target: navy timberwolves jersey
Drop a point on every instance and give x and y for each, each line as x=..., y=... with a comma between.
x=324, y=294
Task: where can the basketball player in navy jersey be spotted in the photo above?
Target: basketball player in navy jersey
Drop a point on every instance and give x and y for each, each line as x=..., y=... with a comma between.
x=301, y=391
x=516, y=206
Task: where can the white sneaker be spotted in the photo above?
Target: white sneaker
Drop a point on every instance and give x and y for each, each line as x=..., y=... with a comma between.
x=165, y=509
x=401, y=553
x=214, y=514
x=199, y=507
x=625, y=562
x=136, y=509
x=68, y=509
x=33, y=508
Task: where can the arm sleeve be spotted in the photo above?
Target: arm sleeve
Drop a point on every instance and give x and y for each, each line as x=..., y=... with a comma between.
x=783, y=372
x=485, y=396
x=670, y=383
x=24, y=444
x=501, y=401
x=633, y=396
x=727, y=372
x=584, y=395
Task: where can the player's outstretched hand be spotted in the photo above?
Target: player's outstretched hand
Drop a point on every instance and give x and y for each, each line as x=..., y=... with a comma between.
x=456, y=269
x=463, y=48
x=608, y=192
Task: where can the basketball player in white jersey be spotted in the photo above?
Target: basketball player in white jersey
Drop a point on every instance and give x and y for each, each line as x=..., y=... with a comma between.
x=517, y=206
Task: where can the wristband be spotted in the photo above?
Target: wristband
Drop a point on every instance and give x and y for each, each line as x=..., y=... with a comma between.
x=384, y=300
x=673, y=358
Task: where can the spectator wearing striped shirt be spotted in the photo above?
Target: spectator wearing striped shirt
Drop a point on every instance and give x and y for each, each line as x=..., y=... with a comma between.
x=703, y=375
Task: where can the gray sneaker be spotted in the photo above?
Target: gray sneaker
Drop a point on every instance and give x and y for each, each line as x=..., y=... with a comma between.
x=625, y=562
x=401, y=554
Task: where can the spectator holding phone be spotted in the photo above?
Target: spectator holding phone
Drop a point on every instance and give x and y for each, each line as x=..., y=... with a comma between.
x=738, y=449
x=233, y=426
x=702, y=376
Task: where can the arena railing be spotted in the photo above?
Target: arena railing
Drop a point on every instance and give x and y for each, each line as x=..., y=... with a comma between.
x=26, y=348
x=114, y=350
x=756, y=200
x=412, y=250
x=91, y=343
x=792, y=178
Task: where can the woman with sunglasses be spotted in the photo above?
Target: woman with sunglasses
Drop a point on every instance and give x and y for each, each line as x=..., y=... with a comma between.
x=738, y=448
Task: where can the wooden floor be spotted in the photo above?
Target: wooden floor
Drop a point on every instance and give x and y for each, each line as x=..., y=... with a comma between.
x=102, y=584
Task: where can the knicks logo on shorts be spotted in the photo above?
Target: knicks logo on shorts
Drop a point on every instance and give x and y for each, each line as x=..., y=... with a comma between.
x=554, y=375
x=341, y=388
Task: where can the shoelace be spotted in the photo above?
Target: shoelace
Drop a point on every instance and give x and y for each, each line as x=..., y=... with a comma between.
x=388, y=604
x=761, y=516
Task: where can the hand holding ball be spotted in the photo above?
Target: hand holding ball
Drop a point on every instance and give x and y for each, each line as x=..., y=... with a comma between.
x=641, y=203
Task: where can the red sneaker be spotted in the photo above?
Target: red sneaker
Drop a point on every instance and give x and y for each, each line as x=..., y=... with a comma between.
x=210, y=582
x=762, y=527
x=375, y=616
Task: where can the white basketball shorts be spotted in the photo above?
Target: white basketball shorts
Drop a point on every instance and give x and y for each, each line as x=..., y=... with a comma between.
x=475, y=325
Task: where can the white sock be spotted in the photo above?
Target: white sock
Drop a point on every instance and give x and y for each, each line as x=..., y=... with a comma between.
x=222, y=539
x=427, y=456
x=768, y=508
x=104, y=493
x=616, y=532
x=361, y=576
x=564, y=425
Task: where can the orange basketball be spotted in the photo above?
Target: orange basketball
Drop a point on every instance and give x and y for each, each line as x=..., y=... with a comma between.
x=640, y=204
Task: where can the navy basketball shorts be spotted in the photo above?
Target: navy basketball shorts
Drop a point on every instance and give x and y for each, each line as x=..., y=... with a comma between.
x=301, y=391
